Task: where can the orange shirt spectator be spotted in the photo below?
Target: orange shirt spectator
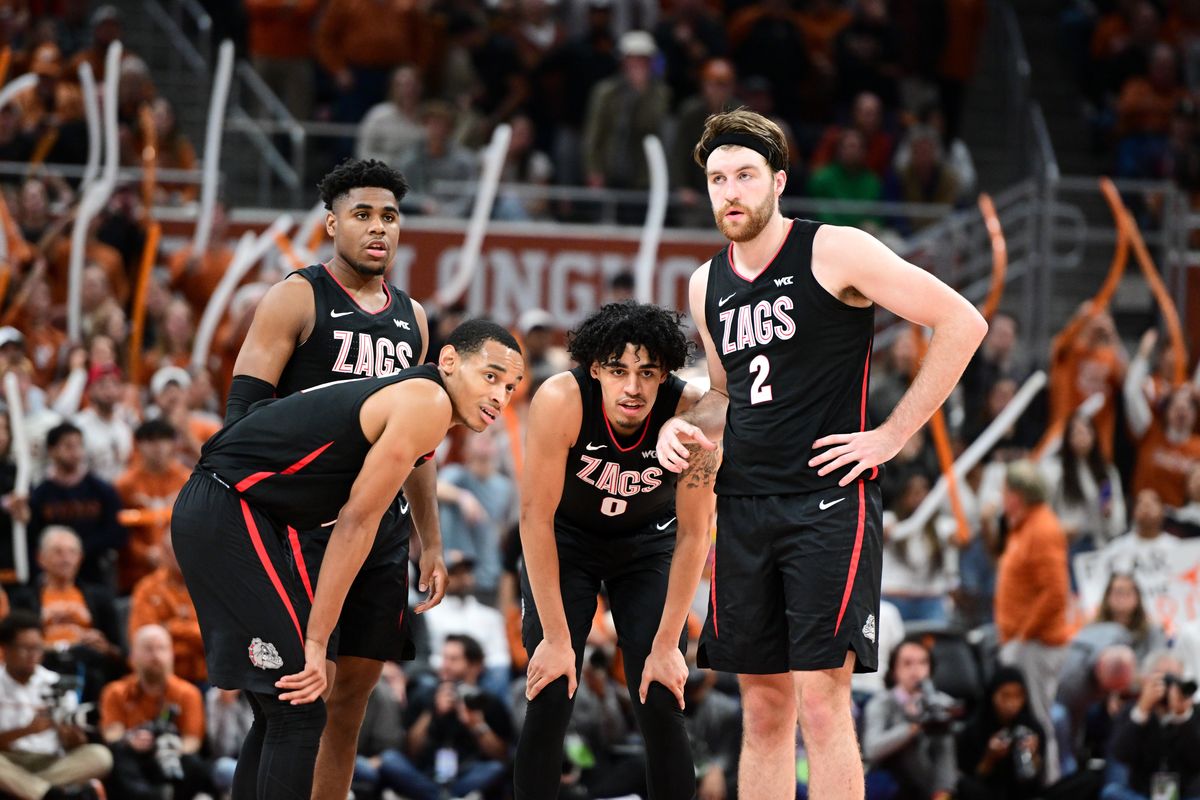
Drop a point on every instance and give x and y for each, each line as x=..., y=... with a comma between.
x=161, y=598
x=198, y=277
x=150, y=486
x=1147, y=102
x=172, y=150
x=350, y=35
x=52, y=100
x=1086, y=358
x=281, y=28
x=1031, y=580
x=131, y=704
x=821, y=22
x=96, y=252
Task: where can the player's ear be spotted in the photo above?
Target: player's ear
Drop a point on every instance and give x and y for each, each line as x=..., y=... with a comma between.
x=330, y=223
x=595, y=370
x=448, y=358
x=780, y=182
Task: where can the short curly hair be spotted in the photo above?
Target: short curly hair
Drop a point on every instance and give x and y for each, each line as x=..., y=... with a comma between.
x=604, y=335
x=354, y=173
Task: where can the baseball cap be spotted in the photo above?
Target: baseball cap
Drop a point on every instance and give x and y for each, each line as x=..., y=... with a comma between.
x=535, y=318
x=637, y=43
x=168, y=375
x=10, y=335
x=457, y=558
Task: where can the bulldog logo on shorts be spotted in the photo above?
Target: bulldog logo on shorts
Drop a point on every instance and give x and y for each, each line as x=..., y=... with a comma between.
x=264, y=655
x=869, y=627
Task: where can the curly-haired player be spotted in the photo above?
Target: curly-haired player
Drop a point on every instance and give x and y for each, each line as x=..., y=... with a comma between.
x=596, y=507
x=332, y=322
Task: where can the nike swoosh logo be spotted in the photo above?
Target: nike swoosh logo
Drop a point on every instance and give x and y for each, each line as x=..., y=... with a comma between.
x=823, y=505
x=591, y=446
x=725, y=300
x=666, y=524
x=403, y=509
x=336, y=314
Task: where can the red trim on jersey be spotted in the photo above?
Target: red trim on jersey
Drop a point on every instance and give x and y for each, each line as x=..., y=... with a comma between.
x=294, y=540
x=853, y=571
x=737, y=272
x=246, y=483
x=712, y=592
x=379, y=310
x=260, y=548
x=613, y=436
x=862, y=413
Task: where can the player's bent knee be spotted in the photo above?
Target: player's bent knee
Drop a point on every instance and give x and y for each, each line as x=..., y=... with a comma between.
x=768, y=714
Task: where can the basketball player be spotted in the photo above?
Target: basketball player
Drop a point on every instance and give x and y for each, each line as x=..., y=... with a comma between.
x=334, y=456
x=331, y=322
x=786, y=313
x=597, y=508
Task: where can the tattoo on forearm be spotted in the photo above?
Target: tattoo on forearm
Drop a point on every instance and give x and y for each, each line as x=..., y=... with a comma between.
x=702, y=466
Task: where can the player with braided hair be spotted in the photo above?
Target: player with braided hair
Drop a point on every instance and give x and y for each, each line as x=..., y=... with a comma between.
x=596, y=508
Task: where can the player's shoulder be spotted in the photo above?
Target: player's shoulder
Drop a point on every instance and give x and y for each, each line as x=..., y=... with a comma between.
x=559, y=392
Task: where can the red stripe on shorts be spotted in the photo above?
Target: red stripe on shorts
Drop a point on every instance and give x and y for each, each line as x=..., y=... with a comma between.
x=260, y=548
x=853, y=571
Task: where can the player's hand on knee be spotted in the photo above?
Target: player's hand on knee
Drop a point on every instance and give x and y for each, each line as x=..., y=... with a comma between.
x=309, y=684
x=549, y=662
x=672, y=449
x=863, y=449
x=664, y=665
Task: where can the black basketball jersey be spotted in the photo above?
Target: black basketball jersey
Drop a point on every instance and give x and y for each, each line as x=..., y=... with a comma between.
x=349, y=341
x=797, y=361
x=614, y=485
x=295, y=458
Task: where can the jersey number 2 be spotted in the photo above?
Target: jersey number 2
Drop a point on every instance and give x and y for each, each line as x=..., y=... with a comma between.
x=613, y=506
x=760, y=390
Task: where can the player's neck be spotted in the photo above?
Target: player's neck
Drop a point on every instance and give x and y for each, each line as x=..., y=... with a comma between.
x=352, y=279
x=754, y=256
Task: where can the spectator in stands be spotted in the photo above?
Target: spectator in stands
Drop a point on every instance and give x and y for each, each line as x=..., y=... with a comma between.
x=1123, y=605
x=1158, y=736
x=847, y=177
x=714, y=725
x=106, y=29
x=957, y=158
x=867, y=118
x=477, y=503
x=170, y=392
x=229, y=716
x=461, y=613
x=173, y=346
x=1122, y=43
x=525, y=164
x=198, y=276
x=926, y=178
x=1147, y=542
x=73, y=496
x=622, y=111
x=501, y=85
x=154, y=723
x=821, y=21
x=906, y=727
x=280, y=41
x=867, y=55
x=172, y=150
x=537, y=31
x=1000, y=356
x=1002, y=751
x=892, y=374
x=161, y=598
x=41, y=757
x=149, y=487
x=360, y=53
x=920, y=566
x=46, y=343
x=1187, y=516
x=51, y=108
x=101, y=313
x=689, y=35
x=79, y=619
x=1031, y=594
x=544, y=357
x=107, y=436
x=460, y=716
x=1084, y=488
x=1168, y=445
x=718, y=82
x=1144, y=112
x=391, y=131
x=439, y=158
x=767, y=42
x=1087, y=358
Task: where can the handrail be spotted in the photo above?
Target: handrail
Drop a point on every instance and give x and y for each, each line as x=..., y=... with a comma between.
x=1045, y=146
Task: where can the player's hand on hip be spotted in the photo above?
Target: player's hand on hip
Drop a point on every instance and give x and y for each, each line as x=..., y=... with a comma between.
x=433, y=578
x=673, y=438
x=863, y=449
x=664, y=665
x=549, y=662
x=308, y=684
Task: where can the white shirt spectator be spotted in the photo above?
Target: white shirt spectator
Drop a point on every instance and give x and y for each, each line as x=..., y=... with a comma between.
x=909, y=567
x=388, y=134
x=20, y=703
x=1127, y=550
x=109, y=443
x=467, y=615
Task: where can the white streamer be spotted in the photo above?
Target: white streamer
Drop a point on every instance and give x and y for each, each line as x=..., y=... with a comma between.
x=91, y=109
x=212, y=146
x=24, y=461
x=656, y=212
x=16, y=86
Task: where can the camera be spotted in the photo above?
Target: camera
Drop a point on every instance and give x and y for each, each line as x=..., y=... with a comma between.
x=168, y=746
x=936, y=712
x=1186, y=687
x=1020, y=740
x=472, y=697
x=62, y=703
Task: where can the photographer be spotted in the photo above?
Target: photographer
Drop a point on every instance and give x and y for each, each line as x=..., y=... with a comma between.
x=1001, y=751
x=1158, y=736
x=458, y=738
x=41, y=752
x=907, y=727
x=154, y=723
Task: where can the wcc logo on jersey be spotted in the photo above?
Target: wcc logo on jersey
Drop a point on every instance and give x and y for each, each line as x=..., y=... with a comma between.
x=372, y=357
x=755, y=324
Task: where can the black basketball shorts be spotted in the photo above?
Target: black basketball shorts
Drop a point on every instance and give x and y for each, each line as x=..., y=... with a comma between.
x=795, y=583
x=252, y=599
x=374, y=622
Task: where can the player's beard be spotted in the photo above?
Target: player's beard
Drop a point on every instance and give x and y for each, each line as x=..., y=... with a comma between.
x=366, y=270
x=753, y=223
